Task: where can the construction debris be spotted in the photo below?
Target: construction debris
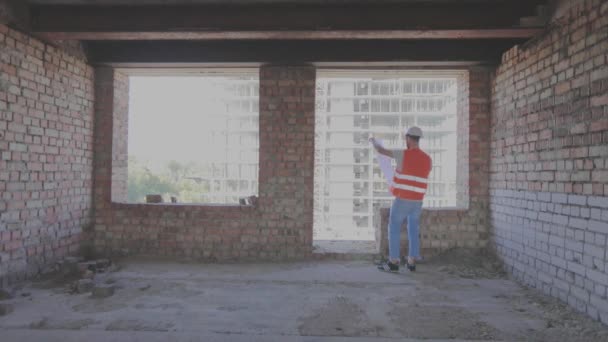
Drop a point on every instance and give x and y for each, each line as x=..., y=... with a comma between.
x=250, y=200
x=84, y=285
x=102, y=291
x=154, y=199
x=4, y=295
x=469, y=263
x=86, y=272
x=67, y=266
x=87, y=265
x=5, y=309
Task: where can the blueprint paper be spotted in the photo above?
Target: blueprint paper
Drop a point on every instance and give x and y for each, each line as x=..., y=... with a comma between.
x=385, y=166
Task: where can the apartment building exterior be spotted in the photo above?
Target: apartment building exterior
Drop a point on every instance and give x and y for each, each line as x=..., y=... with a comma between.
x=351, y=107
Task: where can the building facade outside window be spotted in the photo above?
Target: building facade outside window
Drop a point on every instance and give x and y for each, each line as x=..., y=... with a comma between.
x=194, y=137
x=351, y=106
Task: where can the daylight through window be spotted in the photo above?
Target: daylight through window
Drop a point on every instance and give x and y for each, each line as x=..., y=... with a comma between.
x=351, y=106
x=194, y=138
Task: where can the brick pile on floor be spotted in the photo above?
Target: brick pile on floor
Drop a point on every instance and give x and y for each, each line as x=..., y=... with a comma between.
x=88, y=276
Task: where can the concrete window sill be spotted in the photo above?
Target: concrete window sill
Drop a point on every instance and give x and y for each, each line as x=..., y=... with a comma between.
x=197, y=206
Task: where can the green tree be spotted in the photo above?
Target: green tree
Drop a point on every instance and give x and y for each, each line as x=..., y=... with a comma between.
x=173, y=180
x=142, y=182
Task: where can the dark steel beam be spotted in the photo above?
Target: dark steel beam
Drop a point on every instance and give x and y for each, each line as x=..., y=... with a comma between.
x=297, y=35
x=290, y=51
x=14, y=13
x=275, y=21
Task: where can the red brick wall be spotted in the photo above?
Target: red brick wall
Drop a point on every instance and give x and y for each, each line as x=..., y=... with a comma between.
x=46, y=146
x=279, y=227
x=120, y=129
x=549, y=164
x=466, y=226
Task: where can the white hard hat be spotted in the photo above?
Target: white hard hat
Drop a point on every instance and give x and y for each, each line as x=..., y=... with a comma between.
x=414, y=131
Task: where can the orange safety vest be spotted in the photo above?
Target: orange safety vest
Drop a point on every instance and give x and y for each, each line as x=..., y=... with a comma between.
x=411, y=183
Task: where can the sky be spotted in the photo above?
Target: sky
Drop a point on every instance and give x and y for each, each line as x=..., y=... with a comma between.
x=170, y=118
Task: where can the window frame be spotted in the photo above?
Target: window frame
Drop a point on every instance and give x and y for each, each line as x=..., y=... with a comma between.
x=254, y=72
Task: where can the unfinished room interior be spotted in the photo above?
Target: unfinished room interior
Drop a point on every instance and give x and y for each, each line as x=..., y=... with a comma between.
x=213, y=170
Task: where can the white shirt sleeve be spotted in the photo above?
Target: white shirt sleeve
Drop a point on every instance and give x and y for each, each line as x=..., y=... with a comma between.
x=398, y=155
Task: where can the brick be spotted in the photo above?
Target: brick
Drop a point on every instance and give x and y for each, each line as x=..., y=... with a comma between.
x=601, y=100
x=598, y=125
x=599, y=289
x=574, y=211
x=578, y=223
x=559, y=198
x=598, y=151
x=600, y=73
x=18, y=147
x=598, y=226
x=580, y=293
x=599, y=303
x=599, y=176
x=581, y=176
x=576, y=268
x=578, y=200
x=594, y=251
x=556, y=241
x=600, y=239
x=562, y=87
x=544, y=196
x=598, y=201
x=545, y=217
x=574, y=246
x=35, y=130
x=596, y=214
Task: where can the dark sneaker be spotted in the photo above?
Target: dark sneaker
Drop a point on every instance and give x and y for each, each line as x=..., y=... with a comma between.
x=411, y=267
x=388, y=267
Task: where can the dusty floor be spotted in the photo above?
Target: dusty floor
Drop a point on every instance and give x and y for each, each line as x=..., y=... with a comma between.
x=344, y=246
x=316, y=301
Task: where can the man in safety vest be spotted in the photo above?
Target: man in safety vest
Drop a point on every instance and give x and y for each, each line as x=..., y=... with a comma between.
x=409, y=186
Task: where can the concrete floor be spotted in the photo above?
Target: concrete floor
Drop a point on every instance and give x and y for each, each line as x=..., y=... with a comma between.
x=345, y=247
x=316, y=301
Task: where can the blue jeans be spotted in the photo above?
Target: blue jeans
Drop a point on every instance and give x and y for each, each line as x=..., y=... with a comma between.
x=400, y=211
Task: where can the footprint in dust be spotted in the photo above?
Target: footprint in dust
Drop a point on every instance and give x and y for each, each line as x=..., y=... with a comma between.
x=231, y=308
x=339, y=317
x=99, y=306
x=162, y=306
x=47, y=323
x=137, y=325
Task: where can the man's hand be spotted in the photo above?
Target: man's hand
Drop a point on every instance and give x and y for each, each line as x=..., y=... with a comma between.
x=379, y=148
x=373, y=141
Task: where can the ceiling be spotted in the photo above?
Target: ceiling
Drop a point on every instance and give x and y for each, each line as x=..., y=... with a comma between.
x=186, y=31
x=249, y=2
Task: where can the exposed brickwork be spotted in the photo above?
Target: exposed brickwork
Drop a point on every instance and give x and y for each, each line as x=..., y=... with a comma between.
x=279, y=227
x=46, y=146
x=462, y=195
x=549, y=164
x=441, y=229
x=120, y=129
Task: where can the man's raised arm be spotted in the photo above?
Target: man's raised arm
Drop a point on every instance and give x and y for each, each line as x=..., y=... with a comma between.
x=380, y=148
